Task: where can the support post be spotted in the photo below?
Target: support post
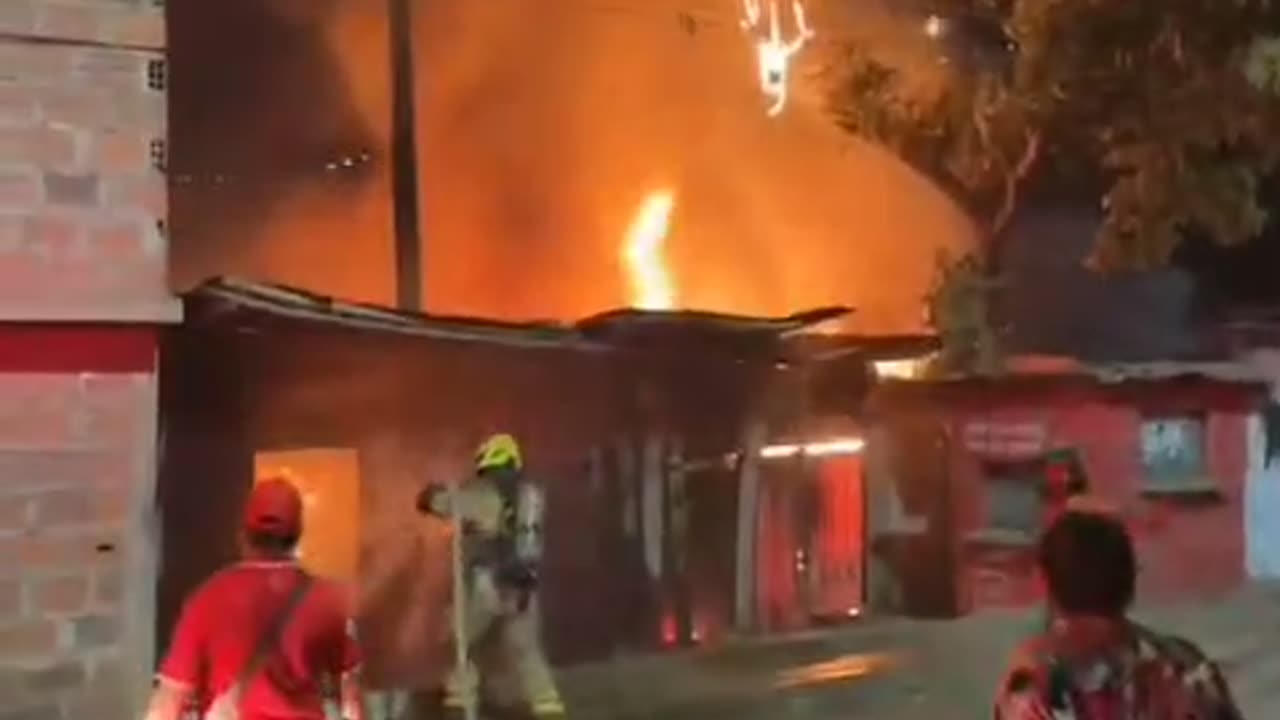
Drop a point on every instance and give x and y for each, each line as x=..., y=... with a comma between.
x=746, y=570
x=404, y=159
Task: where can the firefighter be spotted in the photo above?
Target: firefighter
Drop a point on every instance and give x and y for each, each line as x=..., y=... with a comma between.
x=500, y=512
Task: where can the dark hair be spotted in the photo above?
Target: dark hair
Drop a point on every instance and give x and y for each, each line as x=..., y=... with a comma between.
x=1089, y=564
x=271, y=543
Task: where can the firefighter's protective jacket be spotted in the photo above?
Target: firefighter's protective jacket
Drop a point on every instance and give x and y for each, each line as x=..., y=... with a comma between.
x=501, y=518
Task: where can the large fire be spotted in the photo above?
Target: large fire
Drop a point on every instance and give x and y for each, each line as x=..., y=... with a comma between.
x=526, y=142
x=645, y=253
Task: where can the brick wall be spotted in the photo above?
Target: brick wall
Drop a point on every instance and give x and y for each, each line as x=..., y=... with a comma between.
x=74, y=457
x=81, y=200
x=82, y=205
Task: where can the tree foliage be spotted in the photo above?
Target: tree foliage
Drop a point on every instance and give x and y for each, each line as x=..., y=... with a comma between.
x=958, y=307
x=1167, y=113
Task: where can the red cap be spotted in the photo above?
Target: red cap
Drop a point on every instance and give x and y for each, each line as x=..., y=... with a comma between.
x=274, y=507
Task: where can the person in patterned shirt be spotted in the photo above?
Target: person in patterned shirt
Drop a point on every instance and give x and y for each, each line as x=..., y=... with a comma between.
x=1094, y=663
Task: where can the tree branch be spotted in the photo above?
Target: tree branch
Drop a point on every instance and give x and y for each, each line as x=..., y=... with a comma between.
x=1012, y=183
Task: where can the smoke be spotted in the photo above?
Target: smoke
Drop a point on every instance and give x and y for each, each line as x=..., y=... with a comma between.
x=544, y=124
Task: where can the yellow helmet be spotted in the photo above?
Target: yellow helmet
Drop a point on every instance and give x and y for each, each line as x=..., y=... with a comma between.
x=498, y=451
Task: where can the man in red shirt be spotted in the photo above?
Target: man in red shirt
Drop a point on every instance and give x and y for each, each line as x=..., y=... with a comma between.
x=263, y=640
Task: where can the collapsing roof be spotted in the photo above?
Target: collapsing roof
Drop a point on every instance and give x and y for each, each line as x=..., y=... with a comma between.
x=251, y=302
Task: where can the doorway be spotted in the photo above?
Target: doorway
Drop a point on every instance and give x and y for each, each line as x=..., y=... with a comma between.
x=812, y=540
x=838, y=568
x=329, y=482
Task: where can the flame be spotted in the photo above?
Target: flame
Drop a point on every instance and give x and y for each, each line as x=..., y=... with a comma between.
x=651, y=285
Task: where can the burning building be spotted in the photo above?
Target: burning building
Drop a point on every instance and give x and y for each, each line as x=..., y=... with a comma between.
x=702, y=469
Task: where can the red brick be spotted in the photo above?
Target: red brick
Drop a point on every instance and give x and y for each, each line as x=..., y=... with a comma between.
x=56, y=677
x=82, y=108
x=18, y=105
x=122, y=238
x=115, y=70
x=96, y=631
x=109, y=671
x=10, y=599
x=35, y=410
x=46, y=147
x=79, y=190
x=140, y=111
x=22, y=278
x=54, y=552
x=107, y=589
x=11, y=233
x=17, y=16
x=103, y=701
x=62, y=595
x=41, y=470
x=141, y=29
x=14, y=513
x=63, y=553
x=65, y=508
x=142, y=191
x=19, y=189
x=121, y=152
x=52, y=235
x=71, y=22
x=29, y=639
x=25, y=63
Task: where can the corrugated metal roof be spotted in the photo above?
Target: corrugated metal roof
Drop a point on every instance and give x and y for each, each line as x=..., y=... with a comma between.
x=871, y=347
x=634, y=323
x=618, y=329
x=299, y=305
x=1030, y=368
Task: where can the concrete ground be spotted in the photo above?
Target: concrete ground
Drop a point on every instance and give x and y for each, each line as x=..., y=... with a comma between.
x=882, y=669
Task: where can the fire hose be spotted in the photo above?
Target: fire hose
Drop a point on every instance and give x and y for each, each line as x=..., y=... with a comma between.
x=467, y=685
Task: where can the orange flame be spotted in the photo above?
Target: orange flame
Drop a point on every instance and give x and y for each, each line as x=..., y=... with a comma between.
x=651, y=285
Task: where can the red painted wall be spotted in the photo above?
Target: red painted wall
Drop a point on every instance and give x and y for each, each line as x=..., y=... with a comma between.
x=1186, y=549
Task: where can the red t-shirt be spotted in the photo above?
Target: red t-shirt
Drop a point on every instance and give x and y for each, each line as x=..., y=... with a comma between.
x=223, y=622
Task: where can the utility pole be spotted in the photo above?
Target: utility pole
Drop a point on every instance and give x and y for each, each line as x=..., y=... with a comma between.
x=404, y=159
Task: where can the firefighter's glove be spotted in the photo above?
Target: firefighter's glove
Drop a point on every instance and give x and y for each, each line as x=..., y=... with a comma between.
x=428, y=499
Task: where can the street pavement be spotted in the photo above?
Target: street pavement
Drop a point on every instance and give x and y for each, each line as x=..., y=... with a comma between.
x=874, y=669
x=895, y=669
x=887, y=669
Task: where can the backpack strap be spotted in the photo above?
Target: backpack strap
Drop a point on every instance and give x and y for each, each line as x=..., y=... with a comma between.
x=269, y=640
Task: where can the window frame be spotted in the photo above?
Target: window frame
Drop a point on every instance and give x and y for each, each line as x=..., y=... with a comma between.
x=996, y=474
x=1196, y=481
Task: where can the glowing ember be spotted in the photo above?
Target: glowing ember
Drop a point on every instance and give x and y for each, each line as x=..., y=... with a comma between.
x=650, y=279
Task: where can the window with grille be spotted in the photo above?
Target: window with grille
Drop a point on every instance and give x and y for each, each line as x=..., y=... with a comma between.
x=1012, y=498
